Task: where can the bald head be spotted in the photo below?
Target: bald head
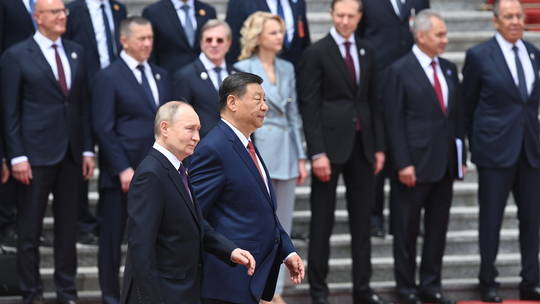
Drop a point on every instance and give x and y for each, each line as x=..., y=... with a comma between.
x=51, y=18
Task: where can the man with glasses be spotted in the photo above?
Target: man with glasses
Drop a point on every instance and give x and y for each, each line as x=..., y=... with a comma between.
x=44, y=95
x=501, y=92
x=198, y=83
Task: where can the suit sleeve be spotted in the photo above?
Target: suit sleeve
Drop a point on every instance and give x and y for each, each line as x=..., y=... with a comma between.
x=88, y=139
x=470, y=89
x=11, y=79
x=460, y=116
x=216, y=244
x=2, y=27
x=181, y=87
x=104, y=119
x=145, y=210
x=377, y=107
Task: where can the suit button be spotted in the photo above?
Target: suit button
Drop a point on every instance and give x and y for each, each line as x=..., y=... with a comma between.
x=276, y=241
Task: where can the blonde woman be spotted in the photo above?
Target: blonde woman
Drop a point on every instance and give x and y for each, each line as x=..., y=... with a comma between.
x=280, y=139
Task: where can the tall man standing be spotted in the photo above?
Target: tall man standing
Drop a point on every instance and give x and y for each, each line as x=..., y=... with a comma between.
x=236, y=195
x=344, y=134
x=501, y=93
x=44, y=94
x=424, y=118
x=125, y=98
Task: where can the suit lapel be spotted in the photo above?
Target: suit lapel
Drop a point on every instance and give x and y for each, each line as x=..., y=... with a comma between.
x=263, y=6
x=135, y=84
x=534, y=63
x=499, y=61
x=117, y=20
x=39, y=59
x=201, y=69
x=200, y=18
x=335, y=54
x=362, y=63
x=390, y=7
x=418, y=72
x=88, y=24
x=161, y=90
x=447, y=72
x=19, y=5
x=171, y=14
x=73, y=59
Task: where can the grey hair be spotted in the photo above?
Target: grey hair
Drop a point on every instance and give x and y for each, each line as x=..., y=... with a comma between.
x=497, y=6
x=125, y=25
x=167, y=112
x=422, y=21
x=212, y=23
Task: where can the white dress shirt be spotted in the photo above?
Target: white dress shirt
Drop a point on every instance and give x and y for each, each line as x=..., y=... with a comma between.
x=288, y=14
x=425, y=63
x=27, y=5
x=94, y=8
x=395, y=6
x=174, y=161
x=132, y=64
x=191, y=3
x=209, y=66
x=340, y=41
x=509, y=56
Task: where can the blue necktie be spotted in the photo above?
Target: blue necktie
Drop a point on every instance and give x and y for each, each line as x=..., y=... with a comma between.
x=32, y=5
x=400, y=9
x=522, y=85
x=108, y=34
x=146, y=85
x=217, y=69
x=189, y=29
x=281, y=15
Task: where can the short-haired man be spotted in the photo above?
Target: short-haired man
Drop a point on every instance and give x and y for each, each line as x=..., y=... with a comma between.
x=424, y=118
x=125, y=98
x=344, y=134
x=501, y=93
x=166, y=230
x=236, y=195
x=198, y=83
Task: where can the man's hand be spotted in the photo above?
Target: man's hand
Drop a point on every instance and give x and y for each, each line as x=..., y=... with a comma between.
x=243, y=257
x=321, y=168
x=379, y=162
x=125, y=178
x=302, y=173
x=22, y=172
x=296, y=268
x=407, y=176
x=464, y=169
x=88, y=167
x=5, y=172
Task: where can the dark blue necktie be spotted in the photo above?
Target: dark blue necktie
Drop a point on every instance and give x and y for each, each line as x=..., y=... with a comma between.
x=281, y=15
x=32, y=5
x=522, y=85
x=400, y=9
x=183, y=174
x=189, y=29
x=218, y=69
x=108, y=33
x=146, y=85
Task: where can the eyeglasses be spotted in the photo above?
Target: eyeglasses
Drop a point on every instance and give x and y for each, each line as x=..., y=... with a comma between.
x=218, y=40
x=56, y=12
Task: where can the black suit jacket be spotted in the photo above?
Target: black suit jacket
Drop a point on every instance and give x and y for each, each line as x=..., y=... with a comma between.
x=200, y=92
x=171, y=48
x=387, y=32
x=123, y=118
x=500, y=124
x=40, y=122
x=239, y=10
x=166, y=237
x=330, y=103
x=420, y=134
x=15, y=23
x=80, y=29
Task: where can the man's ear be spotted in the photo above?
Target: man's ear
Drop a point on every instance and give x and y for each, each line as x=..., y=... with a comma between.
x=232, y=103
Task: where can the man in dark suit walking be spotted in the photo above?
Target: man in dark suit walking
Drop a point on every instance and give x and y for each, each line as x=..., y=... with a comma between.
x=45, y=99
x=344, y=134
x=236, y=195
x=386, y=25
x=424, y=119
x=176, y=25
x=293, y=13
x=125, y=98
x=166, y=230
x=94, y=25
x=501, y=93
x=198, y=83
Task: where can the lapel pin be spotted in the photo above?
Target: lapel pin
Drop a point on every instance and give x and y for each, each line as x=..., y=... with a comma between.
x=204, y=76
x=202, y=12
x=116, y=7
x=158, y=77
x=449, y=72
x=74, y=56
x=289, y=99
x=362, y=52
x=532, y=56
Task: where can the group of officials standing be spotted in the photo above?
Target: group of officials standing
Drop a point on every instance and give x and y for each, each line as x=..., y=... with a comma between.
x=371, y=94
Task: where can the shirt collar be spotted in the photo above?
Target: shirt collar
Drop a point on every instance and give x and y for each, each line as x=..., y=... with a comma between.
x=340, y=39
x=44, y=42
x=131, y=62
x=95, y=4
x=239, y=134
x=209, y=65
x=177, y=4
x=172, y=159
x=505, y=45
x=423, y=58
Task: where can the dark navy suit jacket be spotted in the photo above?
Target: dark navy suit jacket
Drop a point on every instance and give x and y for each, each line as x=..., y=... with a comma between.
x=15, y=23
x=166, y=237
x=200, y=92
x=500, y=124
x=236, y=202
x=123, y=118
x=40, y=122
x=171, y=48
x=80, y=30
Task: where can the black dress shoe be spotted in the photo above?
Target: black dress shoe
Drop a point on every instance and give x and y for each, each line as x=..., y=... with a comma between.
x=490, y=294
x=530, y=294
x=45, y=241
x=87, y=238
x=409, y=298
x=370, y=298
x=377, y=231
x=319, y=300
x=10, y=238
x=436, y=298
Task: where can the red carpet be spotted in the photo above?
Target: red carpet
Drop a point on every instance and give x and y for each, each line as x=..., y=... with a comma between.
x=505, y=302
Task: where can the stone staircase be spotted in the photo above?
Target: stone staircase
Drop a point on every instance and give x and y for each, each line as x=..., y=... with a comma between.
x=468, y=25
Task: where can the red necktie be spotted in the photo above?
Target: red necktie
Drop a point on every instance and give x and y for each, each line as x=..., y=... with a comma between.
x=437, y=86
x=60, y=67
x=349, y=61
x=251, y=150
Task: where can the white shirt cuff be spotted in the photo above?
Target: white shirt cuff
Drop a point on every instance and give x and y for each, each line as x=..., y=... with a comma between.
x=88, y=153
x=290, y=255
x=18, y=160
